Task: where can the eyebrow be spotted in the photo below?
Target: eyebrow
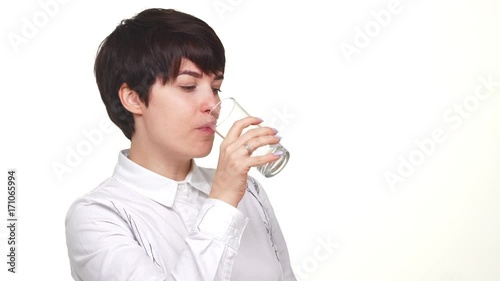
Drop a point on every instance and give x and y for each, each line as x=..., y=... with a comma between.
x=198, y=75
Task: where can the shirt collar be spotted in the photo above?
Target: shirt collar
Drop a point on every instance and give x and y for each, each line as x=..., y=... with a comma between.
x=153, y=185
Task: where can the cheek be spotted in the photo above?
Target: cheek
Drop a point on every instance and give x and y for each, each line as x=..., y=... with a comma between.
x=172, y=117
x=157, y=119
x=170, y=122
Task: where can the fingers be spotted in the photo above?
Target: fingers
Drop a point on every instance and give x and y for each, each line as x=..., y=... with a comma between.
x=255, y=140
x=239, y=126
x=256, y=161
x=253, y=143
x=252, y=138
x=235, y=158
x=263, y=135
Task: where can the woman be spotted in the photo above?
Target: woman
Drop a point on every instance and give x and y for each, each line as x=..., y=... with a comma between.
x=160, y=216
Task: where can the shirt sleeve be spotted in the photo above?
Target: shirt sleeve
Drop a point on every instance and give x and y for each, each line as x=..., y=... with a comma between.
x=101, y=245
x=278, y=238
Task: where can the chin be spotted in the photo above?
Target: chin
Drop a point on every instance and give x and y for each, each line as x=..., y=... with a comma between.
x=201, y=152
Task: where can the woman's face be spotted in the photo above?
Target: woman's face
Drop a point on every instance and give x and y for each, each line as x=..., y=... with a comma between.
x=177, y=119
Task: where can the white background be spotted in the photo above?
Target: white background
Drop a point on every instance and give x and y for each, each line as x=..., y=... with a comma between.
x=348, y=120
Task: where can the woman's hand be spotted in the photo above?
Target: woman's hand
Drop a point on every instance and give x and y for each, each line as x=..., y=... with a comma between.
x=235, y=159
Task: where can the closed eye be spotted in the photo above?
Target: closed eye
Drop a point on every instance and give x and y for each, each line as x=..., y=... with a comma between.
x=188, y=88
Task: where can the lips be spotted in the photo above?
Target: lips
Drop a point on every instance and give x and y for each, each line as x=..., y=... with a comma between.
x=208, y=126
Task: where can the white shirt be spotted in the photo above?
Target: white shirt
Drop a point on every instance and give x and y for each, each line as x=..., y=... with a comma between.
x=139, y=225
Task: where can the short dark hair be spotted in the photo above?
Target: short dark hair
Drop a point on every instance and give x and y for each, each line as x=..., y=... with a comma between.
x=148, y=47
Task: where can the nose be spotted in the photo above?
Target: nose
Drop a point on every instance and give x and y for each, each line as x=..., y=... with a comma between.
x=209, y=102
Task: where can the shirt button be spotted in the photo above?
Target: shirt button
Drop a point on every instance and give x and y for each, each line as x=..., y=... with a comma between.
x=181, y=187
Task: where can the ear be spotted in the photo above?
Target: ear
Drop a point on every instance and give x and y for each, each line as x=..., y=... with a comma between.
x=130, y=99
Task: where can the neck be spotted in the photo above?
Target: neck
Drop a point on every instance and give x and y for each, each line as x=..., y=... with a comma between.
x=163, y=163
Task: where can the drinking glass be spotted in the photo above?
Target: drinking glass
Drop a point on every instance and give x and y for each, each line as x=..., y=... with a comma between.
x=228, y=111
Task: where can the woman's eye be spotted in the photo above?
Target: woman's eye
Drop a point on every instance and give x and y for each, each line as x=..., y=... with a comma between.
x=188, y=88
x=216, y=91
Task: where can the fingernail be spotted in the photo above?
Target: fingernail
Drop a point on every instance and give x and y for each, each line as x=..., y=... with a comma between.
x=278, y=137
x=275, y=130
x=278, y=153
x=260, y=119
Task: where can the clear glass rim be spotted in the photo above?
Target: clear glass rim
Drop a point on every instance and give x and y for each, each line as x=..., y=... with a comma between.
x=220, y=102
x=234, y=104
